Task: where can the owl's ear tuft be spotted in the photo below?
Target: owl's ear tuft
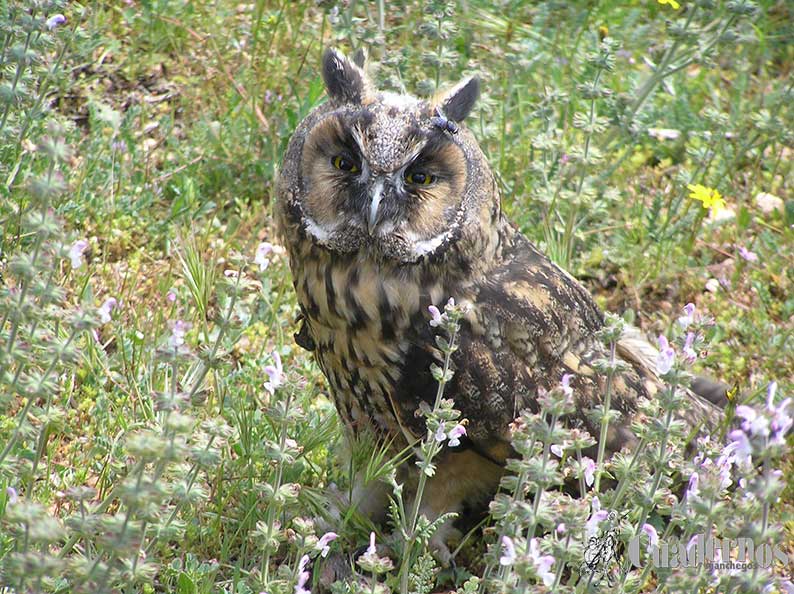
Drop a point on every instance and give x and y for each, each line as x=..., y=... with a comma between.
x=457, y=102
x=344, y=78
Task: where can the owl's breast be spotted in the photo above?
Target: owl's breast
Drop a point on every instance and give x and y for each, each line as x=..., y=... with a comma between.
x=362, y=316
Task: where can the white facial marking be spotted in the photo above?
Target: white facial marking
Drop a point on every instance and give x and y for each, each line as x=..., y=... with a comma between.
x=321, y=234
x=377, y=193
x=427, y=246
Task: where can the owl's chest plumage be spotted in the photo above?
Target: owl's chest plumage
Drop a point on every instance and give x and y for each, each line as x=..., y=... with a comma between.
x=365, y=321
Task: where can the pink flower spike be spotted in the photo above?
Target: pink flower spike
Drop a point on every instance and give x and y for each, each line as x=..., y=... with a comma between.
x=566, y=384
x=275, y=373
x=262, y=251
x=508, y=551
x=325, y=542
x=441, y=433
x=653, y=536
x=693, y=489
x=178, y=331
x=744, y=449
x=689, y=315
x=76, y=253
x=303, y=576
x=689, y=353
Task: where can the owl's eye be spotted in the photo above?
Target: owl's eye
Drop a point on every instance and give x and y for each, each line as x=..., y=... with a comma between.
x=419, y=178
x=344, y=164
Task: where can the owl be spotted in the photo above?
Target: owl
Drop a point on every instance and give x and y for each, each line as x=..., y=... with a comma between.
x=386, y=205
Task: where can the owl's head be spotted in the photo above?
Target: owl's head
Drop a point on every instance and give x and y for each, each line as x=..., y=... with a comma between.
x=396, y=177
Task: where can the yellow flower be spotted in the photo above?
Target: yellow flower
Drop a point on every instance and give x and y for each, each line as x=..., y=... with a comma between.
x=710, y=197
x=673, y=4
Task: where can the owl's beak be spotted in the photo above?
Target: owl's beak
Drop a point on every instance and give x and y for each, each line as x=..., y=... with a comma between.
x=374, y=204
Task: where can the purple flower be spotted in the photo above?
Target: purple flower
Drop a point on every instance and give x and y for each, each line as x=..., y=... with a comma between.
x=325, y=542
x=653, y=536
x=542, y=563
x=170, y=296
x=262, y=251
x=76, y=253
x=747, y=254
x=557, y=450
x=457, y=432
x=13, y=496
x=275, y=373
x=438, y=317
x=743, y=450
x=55, y=21
x=598, y=516
x=441, y=433
x=689, y=353
x=689, y=315
x=566, y=384
x=508, y=551
x=104, y=310
x=178, y=331
x=303, y=576
x=561, y=528
x=781, y=419
x=589, y=467
x=753, y=423
x=666, y=357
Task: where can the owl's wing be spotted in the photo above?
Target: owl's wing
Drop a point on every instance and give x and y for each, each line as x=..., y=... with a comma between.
x=529, y=323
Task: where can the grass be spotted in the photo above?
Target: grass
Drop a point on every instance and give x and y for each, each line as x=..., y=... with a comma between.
x=155, y=130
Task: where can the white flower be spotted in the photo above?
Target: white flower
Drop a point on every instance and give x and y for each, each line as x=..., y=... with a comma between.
x=325, y=542
x=178, y=331
x=508, y=551
x=372, y=549
x=566, y=384
x=712, y=285
x=689, y=315
x=666, y=357
x=653, y=536
x=598, y=515
x=104, y=310
x=781, y=417
x=457, y=432
x=76, y=253
x=754, y=423
x=542, y=563
x=768, y=203
x=744, y=449
x=557, y=450
x=275, y=373
x=441, y=433
x=689, y=353
x=589, y=467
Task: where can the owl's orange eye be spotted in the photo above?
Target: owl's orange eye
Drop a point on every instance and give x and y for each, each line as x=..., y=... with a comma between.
x=344, y=164
x=419, y=178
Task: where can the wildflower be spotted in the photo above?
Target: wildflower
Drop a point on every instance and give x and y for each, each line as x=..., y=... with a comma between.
x=743, y=449
x=372, y=549
x=325, y=542
x=653, y=536
x=76, y=253
x=566, y=384
x=557, y=450
x=588, y=465
x=781, y=419
x=769, y=203
x=673, y=3
x=542, y=563
x=509, y=551
x=104, y=310
x=709, y=197
x=275, y=373
x=263, y=250
x=457, y=432
x=747, y=254
x=438, y=317
x=689, y=353
x=561, y=528
x=13, y=496
x=597, y=516
x=178, y=331
x=689, y=315
x=441, y=433
x=712, y=285
x=55, y=21
x=753, y=423
x=303, y=576
x=268, y=96
x=170, y=296
x=666, y=357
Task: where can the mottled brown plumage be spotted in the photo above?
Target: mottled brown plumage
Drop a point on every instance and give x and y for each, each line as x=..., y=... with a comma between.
x=371, y=248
